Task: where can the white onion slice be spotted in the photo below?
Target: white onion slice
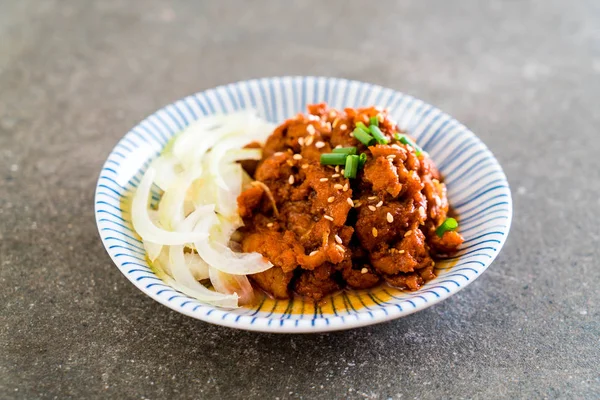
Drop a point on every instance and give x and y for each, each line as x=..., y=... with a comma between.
x=197, y=266
x=186, y=283
x=222, y=257
x=144, y=225
x=232, y=284
x=167, y=169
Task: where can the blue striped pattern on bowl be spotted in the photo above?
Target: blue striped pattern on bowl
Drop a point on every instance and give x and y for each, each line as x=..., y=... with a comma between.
x=477, y=189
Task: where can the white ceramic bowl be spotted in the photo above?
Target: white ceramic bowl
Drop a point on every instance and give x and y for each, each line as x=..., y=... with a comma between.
x=477, y=189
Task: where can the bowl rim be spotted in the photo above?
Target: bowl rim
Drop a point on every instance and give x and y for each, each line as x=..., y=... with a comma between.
x=317, y=324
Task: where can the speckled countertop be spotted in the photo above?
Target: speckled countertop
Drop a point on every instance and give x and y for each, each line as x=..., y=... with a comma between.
x=75, y=76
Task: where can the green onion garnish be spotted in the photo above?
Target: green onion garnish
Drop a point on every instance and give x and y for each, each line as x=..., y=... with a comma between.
x=405, y=140
x=374, y=121
x=449, y=224
x=362, y=159
x=351, y=166
x=333, y=158
x=362, y=126
x=345, y=150
x=379, y=136
x=364, y=137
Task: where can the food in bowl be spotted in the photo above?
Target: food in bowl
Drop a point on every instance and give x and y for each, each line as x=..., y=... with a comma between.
x=327, y=200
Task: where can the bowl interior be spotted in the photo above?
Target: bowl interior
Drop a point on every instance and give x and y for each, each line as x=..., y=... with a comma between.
x=477, y=189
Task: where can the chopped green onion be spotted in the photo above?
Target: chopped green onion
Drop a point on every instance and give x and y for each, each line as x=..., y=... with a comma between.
x=345, y=150
x=379, y=136
x=351, y=166
x=333, y=158
x=449, y=224
x=364, y=137
x=374, y=121
x=405, y=140
x=362, y=159
x=362, y=126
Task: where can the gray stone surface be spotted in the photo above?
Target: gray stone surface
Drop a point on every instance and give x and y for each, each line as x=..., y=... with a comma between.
x=76, y=75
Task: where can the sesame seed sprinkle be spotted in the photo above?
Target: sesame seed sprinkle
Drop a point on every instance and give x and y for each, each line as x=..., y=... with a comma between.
x=343, y=127
x=408, y=233
x=328, y=217
x=357, y=204
x=401, y=251
x=372, y=197
x=270, y=224
x=337, y=168
x=374, y=232
x=330, y=199
x=324, y=179
x=319, y=145
x=395, y=146
x=372, y=208
x=342, y=171
x=310, y=129
x=278, y=153
x=339, y=146
x=332, y=113
x=340, y=248
x=301, y=141
x=291, y=179
x=391, y=157
x=304, y=166
x=338, y=186
x=364, y=271
x=338, y=239
x=346, y=187
x=335, y=175
x=297, y=156
x=308, y=141
x=312, y=253
x=390, y=218
x=351, y=134
x=379, y=204
x=349, y=200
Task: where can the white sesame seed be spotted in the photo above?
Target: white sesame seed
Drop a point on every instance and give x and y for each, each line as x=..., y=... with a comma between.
x=313, y=117
x=349, y=200
x=337, y=168
x=401, y=251
x=301, y=141
x=324, y=179
x=390, y=218
x=357, y=204
x=310, y=129
x=338, y=239
x=346, y=187
x=379, y=204
x=328, y=217
x=338, y=186
x=408, y=233
x=304, y=166
x=278, y=153
x=339, y=146
x=309, y=141
x=391, y=157
x=364, y=271
x=351, y=134
x=342, y=171
x=297, y=156
x=335, y=175
x=291, y=179
x=340, y=248
x=319, y=145
x=372, y=197
x=372, y=208
x=343, y=127
x=330, y=199
x=332, y=113
x=312, y=253
x=270, y=224
x=395, y=146
x=374, y=232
